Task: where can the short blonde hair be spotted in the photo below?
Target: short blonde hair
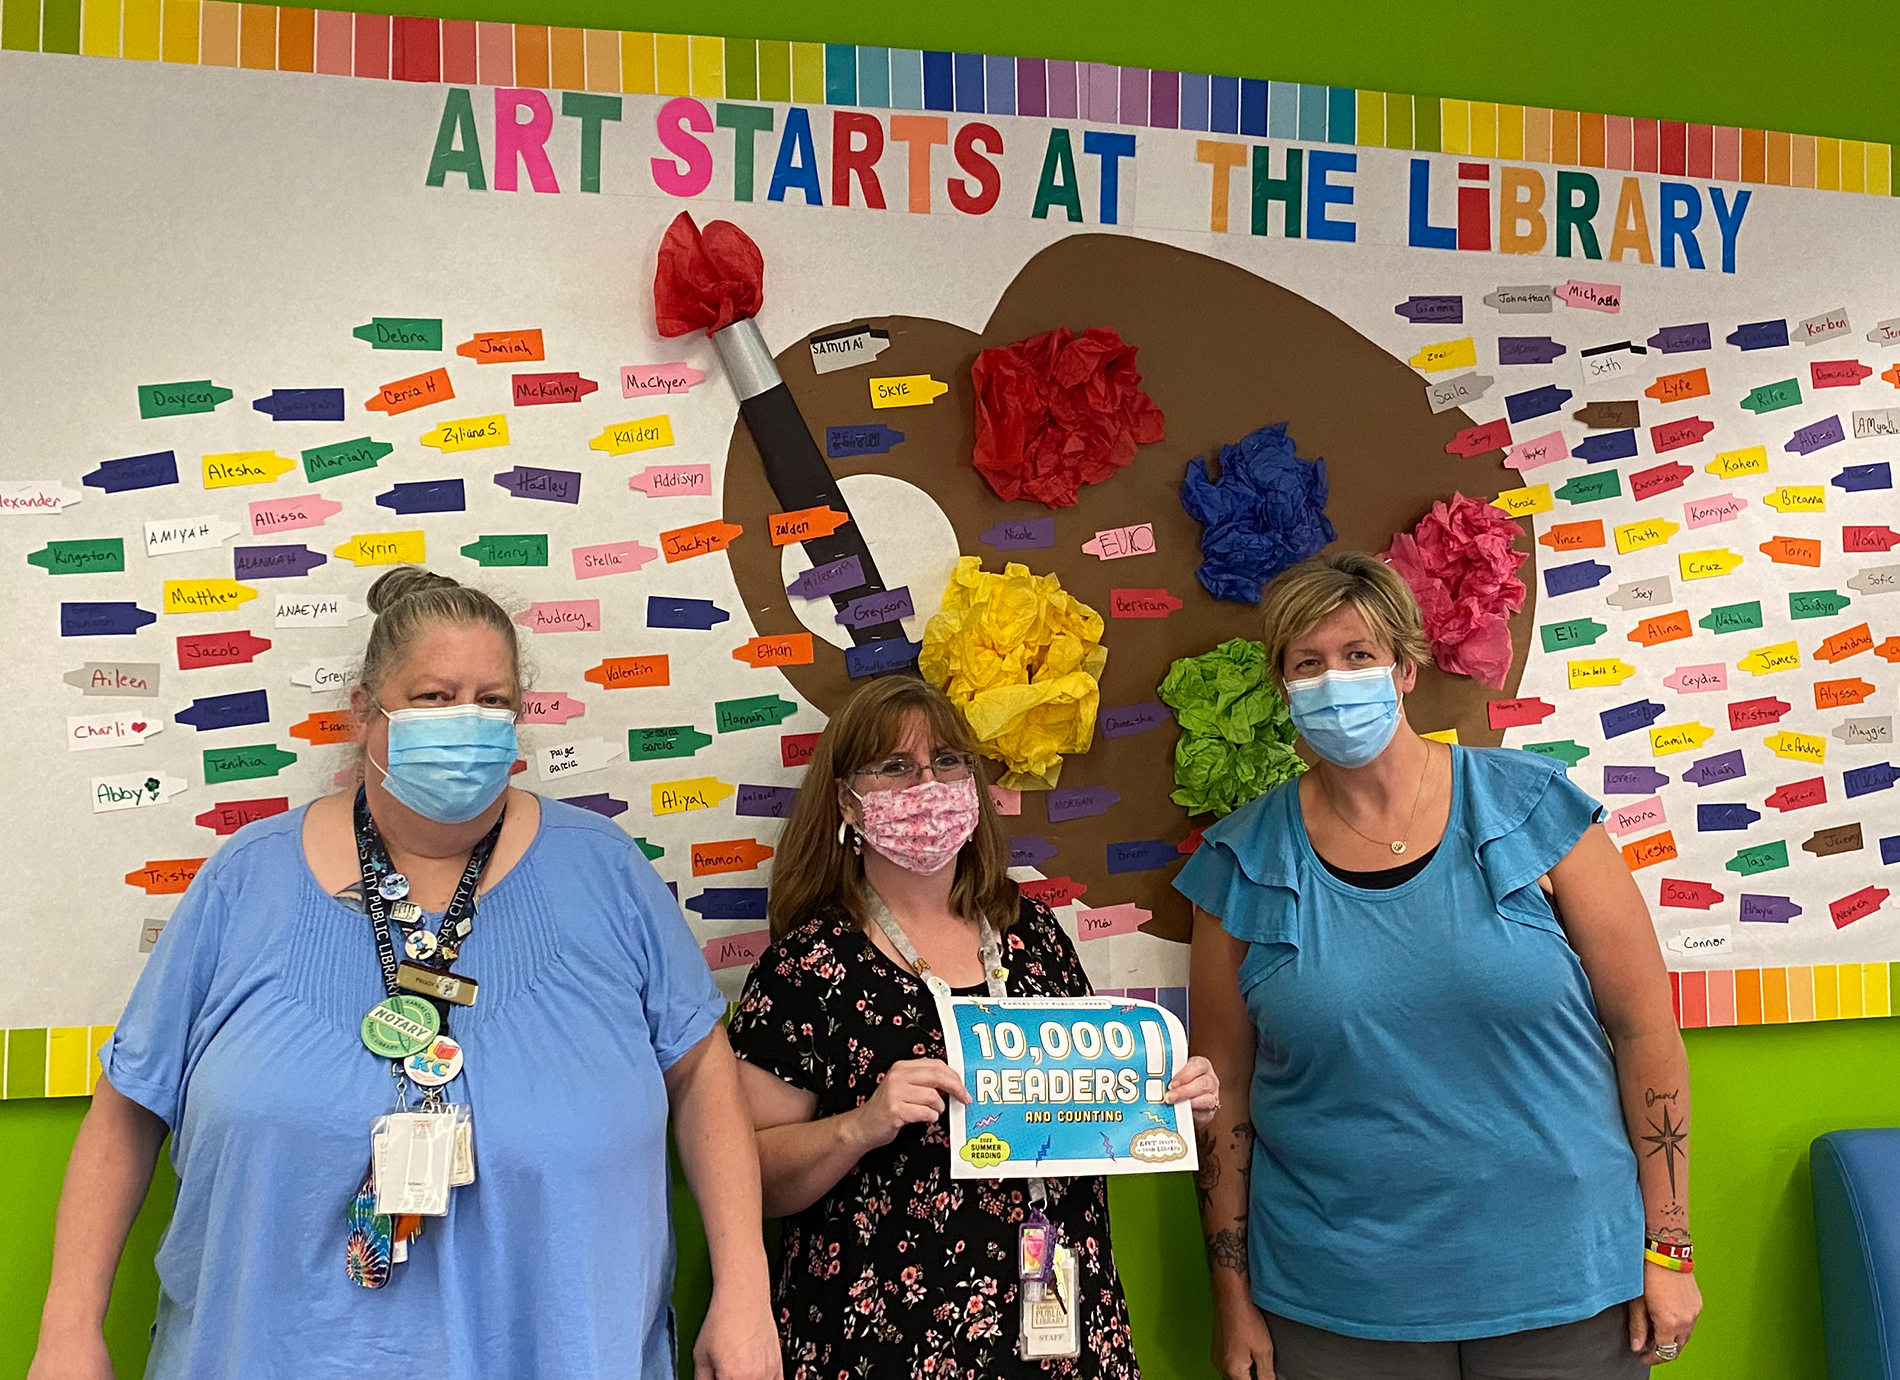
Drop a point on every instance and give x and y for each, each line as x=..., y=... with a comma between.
x=1301, y=597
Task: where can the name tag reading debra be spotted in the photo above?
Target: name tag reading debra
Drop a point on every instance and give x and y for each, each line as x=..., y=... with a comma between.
x=1065, y=1085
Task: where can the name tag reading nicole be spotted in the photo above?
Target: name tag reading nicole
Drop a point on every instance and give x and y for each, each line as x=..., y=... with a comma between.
x=1065, y=1085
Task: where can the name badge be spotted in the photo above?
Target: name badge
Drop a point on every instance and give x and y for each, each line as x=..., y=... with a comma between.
x=428, y=982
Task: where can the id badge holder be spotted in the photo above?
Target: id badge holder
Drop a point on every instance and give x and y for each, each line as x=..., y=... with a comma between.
x=412, y=1154
x=1051, y=1324
x=462, y=1163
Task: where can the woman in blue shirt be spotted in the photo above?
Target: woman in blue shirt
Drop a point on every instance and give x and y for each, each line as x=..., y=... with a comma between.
x=374, y=918
x=1465, y=1151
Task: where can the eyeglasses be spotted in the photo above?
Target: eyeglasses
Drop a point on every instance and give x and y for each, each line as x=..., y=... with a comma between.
x=901, y=771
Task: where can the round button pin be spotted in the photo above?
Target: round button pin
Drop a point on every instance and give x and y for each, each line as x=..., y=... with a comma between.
x=401, y=1025
x=420, y=945
x=393, y=887
x=436, y=1065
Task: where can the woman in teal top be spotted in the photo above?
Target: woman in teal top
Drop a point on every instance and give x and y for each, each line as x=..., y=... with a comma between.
x=1465, y=1151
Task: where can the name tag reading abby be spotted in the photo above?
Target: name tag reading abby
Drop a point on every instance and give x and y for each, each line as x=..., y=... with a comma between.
x=1065, y=1085
x=431, y=982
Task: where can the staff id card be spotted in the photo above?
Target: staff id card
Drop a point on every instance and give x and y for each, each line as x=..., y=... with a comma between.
x=1065, y=1085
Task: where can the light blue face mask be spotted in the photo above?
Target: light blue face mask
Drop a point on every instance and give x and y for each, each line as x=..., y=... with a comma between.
x=449, y=763
x=1348, y=717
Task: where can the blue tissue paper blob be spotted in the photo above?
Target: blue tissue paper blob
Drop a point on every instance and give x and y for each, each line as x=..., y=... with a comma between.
x=1267, y=512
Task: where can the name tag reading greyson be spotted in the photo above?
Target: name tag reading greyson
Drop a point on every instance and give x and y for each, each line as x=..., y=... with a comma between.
x=1065, y=1085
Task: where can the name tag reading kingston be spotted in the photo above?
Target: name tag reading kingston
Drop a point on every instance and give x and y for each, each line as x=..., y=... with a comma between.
x=428, y=982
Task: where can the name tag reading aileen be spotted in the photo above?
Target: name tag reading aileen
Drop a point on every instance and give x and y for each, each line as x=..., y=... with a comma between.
x=427, y=982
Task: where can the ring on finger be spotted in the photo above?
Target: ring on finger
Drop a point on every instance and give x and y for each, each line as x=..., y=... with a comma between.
x=1668, y=1351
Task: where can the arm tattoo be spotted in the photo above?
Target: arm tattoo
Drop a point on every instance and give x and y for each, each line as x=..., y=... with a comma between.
x=1227, y=1248
x=1669, y=1135
x=1206, y=1177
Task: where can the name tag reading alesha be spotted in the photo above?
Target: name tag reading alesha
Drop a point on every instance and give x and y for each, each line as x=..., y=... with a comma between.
x=428, y=982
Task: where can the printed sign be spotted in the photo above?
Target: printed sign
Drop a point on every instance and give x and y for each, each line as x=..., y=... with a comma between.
x=1065, y=1085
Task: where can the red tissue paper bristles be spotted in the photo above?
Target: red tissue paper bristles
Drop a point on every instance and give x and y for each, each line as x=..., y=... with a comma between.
x=1057, y=411
x=706, y=280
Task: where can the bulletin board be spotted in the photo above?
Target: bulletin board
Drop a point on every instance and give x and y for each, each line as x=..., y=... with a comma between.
x=301, y=294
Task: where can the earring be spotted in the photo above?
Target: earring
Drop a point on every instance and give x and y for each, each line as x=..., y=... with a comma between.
x=846, y=834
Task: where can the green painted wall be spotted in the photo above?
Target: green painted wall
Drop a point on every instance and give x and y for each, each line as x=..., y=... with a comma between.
x=1761, y=1095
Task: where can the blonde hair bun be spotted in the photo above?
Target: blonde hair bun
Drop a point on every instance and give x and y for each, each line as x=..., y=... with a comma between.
x=400, y=582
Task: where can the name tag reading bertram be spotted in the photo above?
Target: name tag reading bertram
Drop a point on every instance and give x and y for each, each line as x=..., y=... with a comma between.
x=429, y=982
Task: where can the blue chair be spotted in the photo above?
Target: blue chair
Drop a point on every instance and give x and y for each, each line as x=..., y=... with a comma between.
x=1856, y=1177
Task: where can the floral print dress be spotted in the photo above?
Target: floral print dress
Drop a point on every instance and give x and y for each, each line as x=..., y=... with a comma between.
x=899, y=1270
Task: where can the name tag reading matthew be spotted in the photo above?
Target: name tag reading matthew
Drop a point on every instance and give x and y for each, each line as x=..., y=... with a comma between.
x=1065, y=1085
x=429, y=982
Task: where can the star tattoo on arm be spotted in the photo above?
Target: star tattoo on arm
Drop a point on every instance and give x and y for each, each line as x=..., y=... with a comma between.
x=1667, y=1142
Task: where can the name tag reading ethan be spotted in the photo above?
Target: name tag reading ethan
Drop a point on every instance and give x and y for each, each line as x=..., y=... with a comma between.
x=1065, y=1085
x=429, y=982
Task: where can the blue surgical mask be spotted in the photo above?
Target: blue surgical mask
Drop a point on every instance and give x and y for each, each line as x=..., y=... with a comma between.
x=449, y=763
x=1347, y=717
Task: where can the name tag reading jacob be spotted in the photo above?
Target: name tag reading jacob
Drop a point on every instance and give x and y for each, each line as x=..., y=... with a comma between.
x=429, y=982
x=1065, y=1085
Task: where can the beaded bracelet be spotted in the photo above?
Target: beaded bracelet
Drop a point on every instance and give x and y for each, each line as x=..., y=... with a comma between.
x=1682, y=1265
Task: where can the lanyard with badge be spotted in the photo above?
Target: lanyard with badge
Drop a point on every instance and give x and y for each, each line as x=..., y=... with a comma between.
x=1044, y=1265
x=417, y=1154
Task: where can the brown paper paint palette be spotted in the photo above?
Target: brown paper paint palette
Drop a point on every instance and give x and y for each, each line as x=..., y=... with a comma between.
x=1222, y=352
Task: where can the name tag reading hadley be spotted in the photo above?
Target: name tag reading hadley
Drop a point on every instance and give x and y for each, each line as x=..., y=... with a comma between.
x=429, y=982
x=1065, y=1085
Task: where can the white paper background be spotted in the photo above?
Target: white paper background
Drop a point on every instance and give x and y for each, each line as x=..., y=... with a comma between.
x=162, y=223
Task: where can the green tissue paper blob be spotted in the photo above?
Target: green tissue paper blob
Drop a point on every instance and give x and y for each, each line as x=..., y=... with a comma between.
x=1236, y=735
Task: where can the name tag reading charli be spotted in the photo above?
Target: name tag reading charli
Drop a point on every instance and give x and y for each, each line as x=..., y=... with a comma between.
x=429, y=982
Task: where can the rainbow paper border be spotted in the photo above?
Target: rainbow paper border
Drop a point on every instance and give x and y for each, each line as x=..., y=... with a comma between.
x=217, y=33
x=61, y=1061
x=1782, y=996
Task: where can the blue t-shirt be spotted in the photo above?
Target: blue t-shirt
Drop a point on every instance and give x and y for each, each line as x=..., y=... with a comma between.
x=1439, y=1147
x=243, y=1035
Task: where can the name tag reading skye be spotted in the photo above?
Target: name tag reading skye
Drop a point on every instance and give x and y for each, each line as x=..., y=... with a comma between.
x=429, y=982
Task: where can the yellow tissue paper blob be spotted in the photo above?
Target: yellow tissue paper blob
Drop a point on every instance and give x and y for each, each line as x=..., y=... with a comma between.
x=1022, y=659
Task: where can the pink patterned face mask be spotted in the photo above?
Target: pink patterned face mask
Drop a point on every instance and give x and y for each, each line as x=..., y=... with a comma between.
x=921, y=827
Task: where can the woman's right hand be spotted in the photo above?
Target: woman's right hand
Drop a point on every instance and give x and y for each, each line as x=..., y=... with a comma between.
x=82, y=1356
x=1243, y=1349
x=915, y=1090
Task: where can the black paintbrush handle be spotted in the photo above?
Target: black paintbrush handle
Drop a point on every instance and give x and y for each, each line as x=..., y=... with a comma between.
x=800, y=478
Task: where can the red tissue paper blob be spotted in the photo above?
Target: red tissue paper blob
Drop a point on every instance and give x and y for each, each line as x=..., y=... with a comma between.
x=1460, y=563
x=1057, y=411
x=706, y=280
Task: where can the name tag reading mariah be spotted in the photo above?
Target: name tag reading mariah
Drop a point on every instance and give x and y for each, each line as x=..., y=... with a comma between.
x=430, y=982
x=1065, y=1085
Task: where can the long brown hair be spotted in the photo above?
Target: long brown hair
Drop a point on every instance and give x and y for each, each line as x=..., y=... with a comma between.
x=813, y=870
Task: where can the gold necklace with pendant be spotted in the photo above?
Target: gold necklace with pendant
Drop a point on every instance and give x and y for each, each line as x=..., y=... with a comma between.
x=1397, y=845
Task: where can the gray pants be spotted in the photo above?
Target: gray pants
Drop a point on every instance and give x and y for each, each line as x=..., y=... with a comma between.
x=1595, y=1349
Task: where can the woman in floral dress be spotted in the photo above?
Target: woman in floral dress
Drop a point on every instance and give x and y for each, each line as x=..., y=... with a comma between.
x=887, y=1267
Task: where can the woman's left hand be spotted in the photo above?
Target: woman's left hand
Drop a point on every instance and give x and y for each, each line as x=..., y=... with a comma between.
x=738, y=1340
x=1665, y=1315
x=1199, y=1086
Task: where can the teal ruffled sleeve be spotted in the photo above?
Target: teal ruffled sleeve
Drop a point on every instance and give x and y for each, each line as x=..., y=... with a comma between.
x=1526, y=816
x=1246, y=873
